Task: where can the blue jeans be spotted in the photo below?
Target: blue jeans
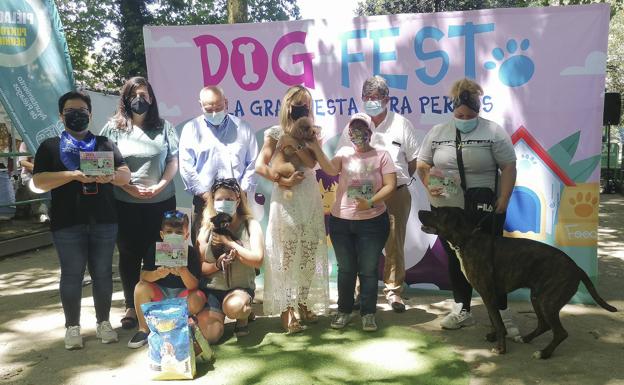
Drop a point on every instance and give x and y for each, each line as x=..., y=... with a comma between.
x=80, y=246
x=358, y=245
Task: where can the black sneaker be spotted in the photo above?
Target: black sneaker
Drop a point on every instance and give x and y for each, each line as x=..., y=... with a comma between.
x=139, y=339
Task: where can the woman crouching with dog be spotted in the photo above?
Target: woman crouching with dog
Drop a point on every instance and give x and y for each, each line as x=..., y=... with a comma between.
x=231, y=244
x=469, y=161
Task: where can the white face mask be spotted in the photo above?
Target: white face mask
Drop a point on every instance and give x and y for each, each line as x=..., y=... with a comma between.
x=215, y=118
x=227, y=207
x=173, y=238
x=373, y=107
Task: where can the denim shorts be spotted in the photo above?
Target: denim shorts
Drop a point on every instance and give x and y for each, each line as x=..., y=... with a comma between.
x=161, y=292
x=214, y=302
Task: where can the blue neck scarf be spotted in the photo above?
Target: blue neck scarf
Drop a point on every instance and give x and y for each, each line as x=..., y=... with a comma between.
x=71, y=147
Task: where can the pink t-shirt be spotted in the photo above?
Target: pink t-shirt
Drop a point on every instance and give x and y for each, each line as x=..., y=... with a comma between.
x=361, y=174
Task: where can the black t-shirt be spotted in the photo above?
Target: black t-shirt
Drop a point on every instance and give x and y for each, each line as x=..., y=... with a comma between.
x=172, y=281
x=70, y=206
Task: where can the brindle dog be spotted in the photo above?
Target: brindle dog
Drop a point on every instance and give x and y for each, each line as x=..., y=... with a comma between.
x=550, y=274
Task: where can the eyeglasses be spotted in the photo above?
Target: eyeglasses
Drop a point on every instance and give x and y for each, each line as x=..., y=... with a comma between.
x=228, y=183
x=174, y=214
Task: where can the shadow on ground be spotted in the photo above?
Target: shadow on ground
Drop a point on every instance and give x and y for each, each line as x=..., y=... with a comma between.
x=409, y=348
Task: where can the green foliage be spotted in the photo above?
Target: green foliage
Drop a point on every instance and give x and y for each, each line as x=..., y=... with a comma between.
x=563, y=153
x=105, y=37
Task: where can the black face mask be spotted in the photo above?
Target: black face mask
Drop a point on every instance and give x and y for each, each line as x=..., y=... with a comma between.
x=76, y=120
x=297, y=112
x=139, y=106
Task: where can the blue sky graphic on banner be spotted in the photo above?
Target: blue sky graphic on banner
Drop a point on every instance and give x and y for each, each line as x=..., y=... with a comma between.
x=35, y=69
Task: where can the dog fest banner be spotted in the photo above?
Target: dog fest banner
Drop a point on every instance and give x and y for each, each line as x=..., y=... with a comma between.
x=35, y=69
x=542, y=69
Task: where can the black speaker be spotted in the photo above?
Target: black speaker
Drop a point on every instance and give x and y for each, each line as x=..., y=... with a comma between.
x=612, y=109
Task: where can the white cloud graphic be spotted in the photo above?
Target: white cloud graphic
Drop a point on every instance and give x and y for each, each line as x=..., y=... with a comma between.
x=164, y=42
x=595, y=64
x=164, y=110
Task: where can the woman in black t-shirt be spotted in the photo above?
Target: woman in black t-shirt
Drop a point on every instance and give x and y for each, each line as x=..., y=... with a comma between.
x=83, y=216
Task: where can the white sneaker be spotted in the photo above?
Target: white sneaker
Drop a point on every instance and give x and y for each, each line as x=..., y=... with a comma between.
x=457, y=318
x=43, y=218
x=105, y=331
x=341, y=320
x=510, y=326
x=73, y=339
x=368, y=323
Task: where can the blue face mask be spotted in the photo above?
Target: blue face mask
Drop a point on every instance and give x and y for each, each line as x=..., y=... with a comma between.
x=373, y=107
x=227, y=207
x=215, y=118
x=466, y=125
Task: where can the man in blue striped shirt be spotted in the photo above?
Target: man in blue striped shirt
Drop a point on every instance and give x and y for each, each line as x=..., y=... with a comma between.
x=215, y=145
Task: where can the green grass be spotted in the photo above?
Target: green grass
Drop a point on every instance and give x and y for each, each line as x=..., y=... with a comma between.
x=319, y=355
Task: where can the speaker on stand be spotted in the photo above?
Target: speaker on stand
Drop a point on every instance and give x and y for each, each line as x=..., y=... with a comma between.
x=611, y=116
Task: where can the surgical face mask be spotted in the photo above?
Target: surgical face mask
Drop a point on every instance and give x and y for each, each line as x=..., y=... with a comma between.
x=139, y=106
x=373, y=107
x=297, y=112
x=173, y=238
x=215, y=118
x=76, y=120
x=227, y=207
x=466, y=125
x=359, y=138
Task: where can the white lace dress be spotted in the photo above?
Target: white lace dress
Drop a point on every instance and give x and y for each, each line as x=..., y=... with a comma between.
x=295, y=263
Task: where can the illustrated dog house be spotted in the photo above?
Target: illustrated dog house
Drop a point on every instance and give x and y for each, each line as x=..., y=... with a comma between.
x=546, y=204
x=533, y=206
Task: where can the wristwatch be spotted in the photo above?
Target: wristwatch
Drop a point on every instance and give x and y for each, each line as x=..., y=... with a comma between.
x=300, y=147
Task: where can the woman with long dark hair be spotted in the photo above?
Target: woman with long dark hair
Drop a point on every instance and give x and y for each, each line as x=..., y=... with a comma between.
x=149, y=146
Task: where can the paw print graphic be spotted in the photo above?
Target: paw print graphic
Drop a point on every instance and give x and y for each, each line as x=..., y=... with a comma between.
x=526, y=161
x=517, y=69
x=584, y=206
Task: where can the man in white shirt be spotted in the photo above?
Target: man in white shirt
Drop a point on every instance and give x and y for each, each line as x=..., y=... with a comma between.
x=396, y=135
x=215, y=145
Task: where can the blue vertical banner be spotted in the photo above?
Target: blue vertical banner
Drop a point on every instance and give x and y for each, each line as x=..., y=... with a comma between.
x=35, y=69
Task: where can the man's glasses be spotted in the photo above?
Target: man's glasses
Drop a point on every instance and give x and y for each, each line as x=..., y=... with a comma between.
x=174, y=214
x=228, y=183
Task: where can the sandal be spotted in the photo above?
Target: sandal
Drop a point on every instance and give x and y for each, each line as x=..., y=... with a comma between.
x=307, y=315
x=293, y=324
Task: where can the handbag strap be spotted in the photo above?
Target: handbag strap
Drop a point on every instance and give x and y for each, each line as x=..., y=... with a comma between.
x=460, y=164
x=460, y=159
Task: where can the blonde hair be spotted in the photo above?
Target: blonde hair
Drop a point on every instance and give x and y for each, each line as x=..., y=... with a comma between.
x=294, y=95
x=466, y=84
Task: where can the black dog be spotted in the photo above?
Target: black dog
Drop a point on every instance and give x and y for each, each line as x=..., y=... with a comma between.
x=221, y=225
x=550, y=274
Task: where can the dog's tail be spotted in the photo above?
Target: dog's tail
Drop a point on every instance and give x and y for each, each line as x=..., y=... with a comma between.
x=594, y=293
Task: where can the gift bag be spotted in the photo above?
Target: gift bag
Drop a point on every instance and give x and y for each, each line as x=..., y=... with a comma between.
x=170, y=352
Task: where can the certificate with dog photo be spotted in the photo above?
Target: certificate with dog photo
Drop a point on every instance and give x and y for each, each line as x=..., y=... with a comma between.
x=171, y=254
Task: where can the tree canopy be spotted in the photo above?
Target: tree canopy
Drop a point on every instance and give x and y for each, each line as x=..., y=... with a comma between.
x=105, y=37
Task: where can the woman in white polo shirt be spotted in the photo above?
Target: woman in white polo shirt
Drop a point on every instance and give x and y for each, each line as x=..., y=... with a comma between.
x=489, y=161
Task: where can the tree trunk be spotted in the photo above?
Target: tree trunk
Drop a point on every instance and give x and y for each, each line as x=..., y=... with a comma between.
x=237, y=11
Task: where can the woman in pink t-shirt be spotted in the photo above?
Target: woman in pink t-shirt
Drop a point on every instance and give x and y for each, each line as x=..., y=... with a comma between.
x=359, y=224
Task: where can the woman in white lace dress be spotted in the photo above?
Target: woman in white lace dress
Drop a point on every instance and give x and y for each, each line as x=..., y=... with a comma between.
x=296, y=272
